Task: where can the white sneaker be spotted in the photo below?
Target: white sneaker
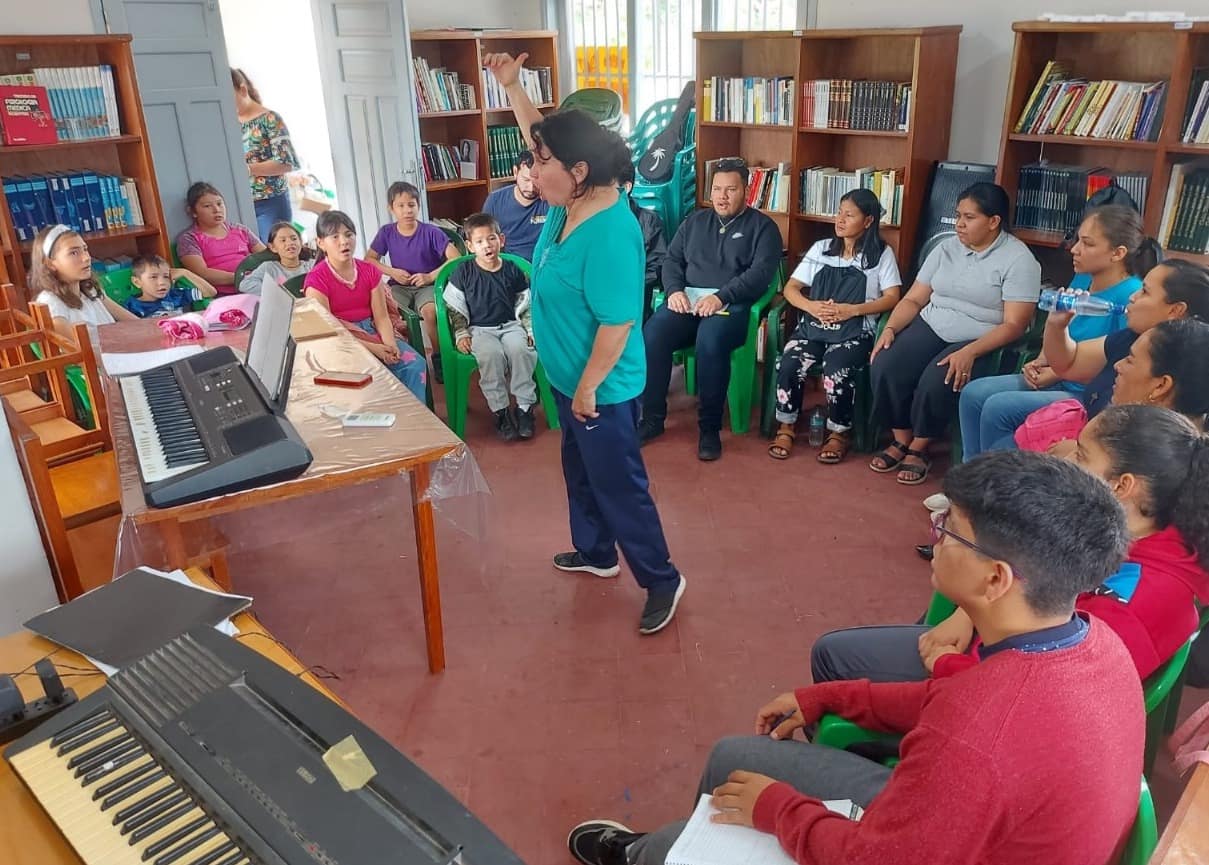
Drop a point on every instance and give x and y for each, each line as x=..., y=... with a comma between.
x=937, y=502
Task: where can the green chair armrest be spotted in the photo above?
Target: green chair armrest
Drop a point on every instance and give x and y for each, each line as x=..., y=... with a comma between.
x=939, y=609
x=836, y=732
x=1158, y=684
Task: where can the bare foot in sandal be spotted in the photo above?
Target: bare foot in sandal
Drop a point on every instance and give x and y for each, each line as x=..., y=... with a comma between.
x=835, y=448
x=889, y=459
x=914, y=469
x=782, y=443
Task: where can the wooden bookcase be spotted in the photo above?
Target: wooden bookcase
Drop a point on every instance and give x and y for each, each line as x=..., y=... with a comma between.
x=1122, y=51
x=461, y=51
x=127, y=155
x=924, y=56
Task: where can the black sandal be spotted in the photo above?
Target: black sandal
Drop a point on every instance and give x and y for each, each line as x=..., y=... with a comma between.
x=916, y=475
x=889, y=463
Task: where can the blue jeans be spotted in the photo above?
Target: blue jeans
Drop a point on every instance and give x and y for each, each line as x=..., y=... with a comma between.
x=411, y=368
x=270, y=210
x=991, y=408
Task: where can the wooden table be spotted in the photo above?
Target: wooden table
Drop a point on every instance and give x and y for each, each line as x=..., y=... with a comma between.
x=342, y=457
x=1185, y=841
x=27, y=835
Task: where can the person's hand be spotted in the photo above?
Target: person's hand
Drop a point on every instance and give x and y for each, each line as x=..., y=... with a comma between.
x=505, y=67
x=708, y=305
x=883, y=342
x=464, y=345
x=583, y=405
x=400, y=275
x=390, y=352
x=419, y=279
x=842, y=311
x=955, y=632
x=736, y=799
x=1039, y=375
x=780, y=717
x=932, y=656
x=1063, y=449
x=529, y=339
x=960, y=364
x=818, y=309
x=677, y=301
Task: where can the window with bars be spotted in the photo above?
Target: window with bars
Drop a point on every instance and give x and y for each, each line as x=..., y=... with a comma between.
x=643, y=49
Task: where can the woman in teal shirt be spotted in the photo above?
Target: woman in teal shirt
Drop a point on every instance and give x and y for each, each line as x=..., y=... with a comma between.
x=587, y=292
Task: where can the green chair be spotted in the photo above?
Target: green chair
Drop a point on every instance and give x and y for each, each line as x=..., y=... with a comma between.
x=294, y=285
x=599, y=103
x=117, y=284
x=455, y=237
x=677, y=198
x=458, y=365
x=1144, y=836
x=251, y=262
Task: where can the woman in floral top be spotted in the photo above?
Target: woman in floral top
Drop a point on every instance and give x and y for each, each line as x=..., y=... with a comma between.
x=268, y=152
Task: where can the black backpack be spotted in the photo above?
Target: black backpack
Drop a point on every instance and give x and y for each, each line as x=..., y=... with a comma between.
x=1111, y=194
x=659, y=162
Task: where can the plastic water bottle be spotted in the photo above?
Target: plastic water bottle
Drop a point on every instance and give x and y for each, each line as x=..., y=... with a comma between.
x=1053, y=300
x=818, y=426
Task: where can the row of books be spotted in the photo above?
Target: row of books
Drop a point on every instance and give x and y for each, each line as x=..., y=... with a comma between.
x=81, y=100
x=1052, y=197
x=538, y=83
x=840, y=103
x=504, y=145
x=440, y=90
x=767, y=188
x=1196, y=116
x=748, y=100
x=85, y=200
x=1115, y=110
x=1185, y=223
x=443, y=162
x=822, y=187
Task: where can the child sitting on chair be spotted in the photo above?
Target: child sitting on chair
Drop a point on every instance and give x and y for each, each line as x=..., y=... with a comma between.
x=488, y=301
x=213, y=247
x=293, y=259
x=158, y=294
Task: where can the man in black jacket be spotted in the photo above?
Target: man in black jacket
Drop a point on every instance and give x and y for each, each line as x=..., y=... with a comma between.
x=720, y=262
x=652, y=241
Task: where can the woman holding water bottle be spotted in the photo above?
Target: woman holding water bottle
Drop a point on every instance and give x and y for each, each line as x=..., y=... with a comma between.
x=1110, y=258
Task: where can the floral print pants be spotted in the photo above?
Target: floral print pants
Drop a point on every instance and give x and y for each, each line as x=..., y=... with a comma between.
x=841, y=362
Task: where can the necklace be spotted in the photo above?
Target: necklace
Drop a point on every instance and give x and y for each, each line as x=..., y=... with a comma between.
x=725, y=225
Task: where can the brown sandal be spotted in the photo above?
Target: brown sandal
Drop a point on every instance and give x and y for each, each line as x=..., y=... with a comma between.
x=782, y=444
x=835, y=448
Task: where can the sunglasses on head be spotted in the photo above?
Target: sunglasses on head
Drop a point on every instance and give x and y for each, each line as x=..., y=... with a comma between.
x=730, y=163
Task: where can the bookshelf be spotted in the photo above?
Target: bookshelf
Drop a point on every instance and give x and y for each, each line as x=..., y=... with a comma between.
x=460, y=51
x=926, y=57
x=125, y=155
x=1134, y=51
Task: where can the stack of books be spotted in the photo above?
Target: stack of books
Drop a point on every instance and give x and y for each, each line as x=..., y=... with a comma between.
x=83, y=99
x=504, y=144
x=1053, y=197
x=85, y=200
x=537, y=81
x=1185, y=223
x=440, y=90
x=441, y=162
x=1115, y=110
x=840, y=103
x=822, y=187
x=1196, y=115
x=766, y=101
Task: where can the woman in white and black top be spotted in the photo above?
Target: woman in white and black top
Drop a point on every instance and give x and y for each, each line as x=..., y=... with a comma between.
x=842, y=285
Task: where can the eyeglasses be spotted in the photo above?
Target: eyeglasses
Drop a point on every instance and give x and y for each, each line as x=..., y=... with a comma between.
x=939, y=531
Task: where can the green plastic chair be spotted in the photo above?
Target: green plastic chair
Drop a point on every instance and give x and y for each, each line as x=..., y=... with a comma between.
x=458, y=366
x=455, y=237
x=1144, y=836
x=600, y=103
x=677, y=198
x=251, y=262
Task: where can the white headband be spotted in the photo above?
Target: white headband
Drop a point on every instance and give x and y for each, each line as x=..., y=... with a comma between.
x=48, y=243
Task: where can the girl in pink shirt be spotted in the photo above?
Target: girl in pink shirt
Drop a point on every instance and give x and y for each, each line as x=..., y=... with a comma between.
x=213, y=248
x=355, y=292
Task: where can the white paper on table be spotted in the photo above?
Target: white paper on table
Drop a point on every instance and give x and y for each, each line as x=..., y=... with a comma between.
x=130, y=362
x=226, y=626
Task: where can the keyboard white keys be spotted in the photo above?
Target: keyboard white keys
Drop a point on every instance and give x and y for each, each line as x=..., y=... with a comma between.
x=163, y=454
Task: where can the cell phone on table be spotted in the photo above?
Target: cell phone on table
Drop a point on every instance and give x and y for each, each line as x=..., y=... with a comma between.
x=344, y=379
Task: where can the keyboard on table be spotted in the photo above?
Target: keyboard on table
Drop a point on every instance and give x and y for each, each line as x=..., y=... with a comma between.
x=201, y=427
x=207, y=753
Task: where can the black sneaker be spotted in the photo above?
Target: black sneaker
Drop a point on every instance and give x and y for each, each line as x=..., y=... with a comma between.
x=437, y=372
x=573, y=561
x=524, y=423
x=659, y=609
x=924, y=551
x=709, y=445
x=648, y=430
x=505, y=425
x=601, y=842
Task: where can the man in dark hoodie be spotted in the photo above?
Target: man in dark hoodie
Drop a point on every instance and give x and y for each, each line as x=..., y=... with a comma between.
x=719, y=263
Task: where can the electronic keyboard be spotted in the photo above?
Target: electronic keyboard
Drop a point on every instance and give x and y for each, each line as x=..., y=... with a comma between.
x=207, y=753
x=202, y=427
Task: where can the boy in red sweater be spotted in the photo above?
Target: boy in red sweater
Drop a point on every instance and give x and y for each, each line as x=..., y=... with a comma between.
x=1035, y=754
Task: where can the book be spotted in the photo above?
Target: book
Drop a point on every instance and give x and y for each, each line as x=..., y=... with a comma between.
x=1061, y=104
x=840, y=103
x=25, y=116
x=82, y=101
x=751, y=100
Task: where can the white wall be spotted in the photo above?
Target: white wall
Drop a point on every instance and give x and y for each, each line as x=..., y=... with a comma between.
x=25, y=581
x=45, y=16
x=515, y=14
x=985, y=54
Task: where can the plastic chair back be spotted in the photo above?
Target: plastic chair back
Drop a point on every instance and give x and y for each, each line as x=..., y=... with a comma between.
x=251, y=262
x=455, y=237
x=294, y=285
x=1144, y=836
x=116, y=284
x=653, y=121
x=601, y=104
x=677, y=198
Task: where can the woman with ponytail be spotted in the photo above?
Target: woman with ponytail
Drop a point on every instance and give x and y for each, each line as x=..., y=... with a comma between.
x=842, y=285
x=587, y=290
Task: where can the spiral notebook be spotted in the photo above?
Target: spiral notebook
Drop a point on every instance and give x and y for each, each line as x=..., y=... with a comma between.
x=706, y=843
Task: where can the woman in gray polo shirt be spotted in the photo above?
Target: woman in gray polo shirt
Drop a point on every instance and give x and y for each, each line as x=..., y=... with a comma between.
x=975, y=293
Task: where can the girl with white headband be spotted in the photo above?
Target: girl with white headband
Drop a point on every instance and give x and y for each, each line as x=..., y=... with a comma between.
x=61, y=274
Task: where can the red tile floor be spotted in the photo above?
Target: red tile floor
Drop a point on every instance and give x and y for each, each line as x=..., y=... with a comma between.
x=553, y=709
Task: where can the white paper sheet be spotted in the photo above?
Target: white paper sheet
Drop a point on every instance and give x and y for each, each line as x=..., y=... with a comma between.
x=130, y=362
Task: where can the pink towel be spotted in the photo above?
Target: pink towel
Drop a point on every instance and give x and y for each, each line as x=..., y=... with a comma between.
x=231, y=312
x=183, y=327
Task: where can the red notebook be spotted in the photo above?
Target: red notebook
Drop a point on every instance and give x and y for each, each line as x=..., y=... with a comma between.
x=25, y=115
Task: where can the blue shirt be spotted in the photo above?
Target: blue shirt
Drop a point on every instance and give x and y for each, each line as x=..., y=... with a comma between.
x=592, y=277
x=1083, y=327
x=1062, y=636
x=522, y=225
x=176, y=301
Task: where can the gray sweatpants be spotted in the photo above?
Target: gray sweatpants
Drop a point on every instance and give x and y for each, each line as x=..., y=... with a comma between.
x=825, y=773
x=505, y=357
x=880, y=653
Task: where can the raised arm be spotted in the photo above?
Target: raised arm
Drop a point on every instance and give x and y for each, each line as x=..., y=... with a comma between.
x=1070, y=360
x=507, y=71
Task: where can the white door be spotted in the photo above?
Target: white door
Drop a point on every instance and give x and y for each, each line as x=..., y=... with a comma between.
x=365, y=62
x=185, y=84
